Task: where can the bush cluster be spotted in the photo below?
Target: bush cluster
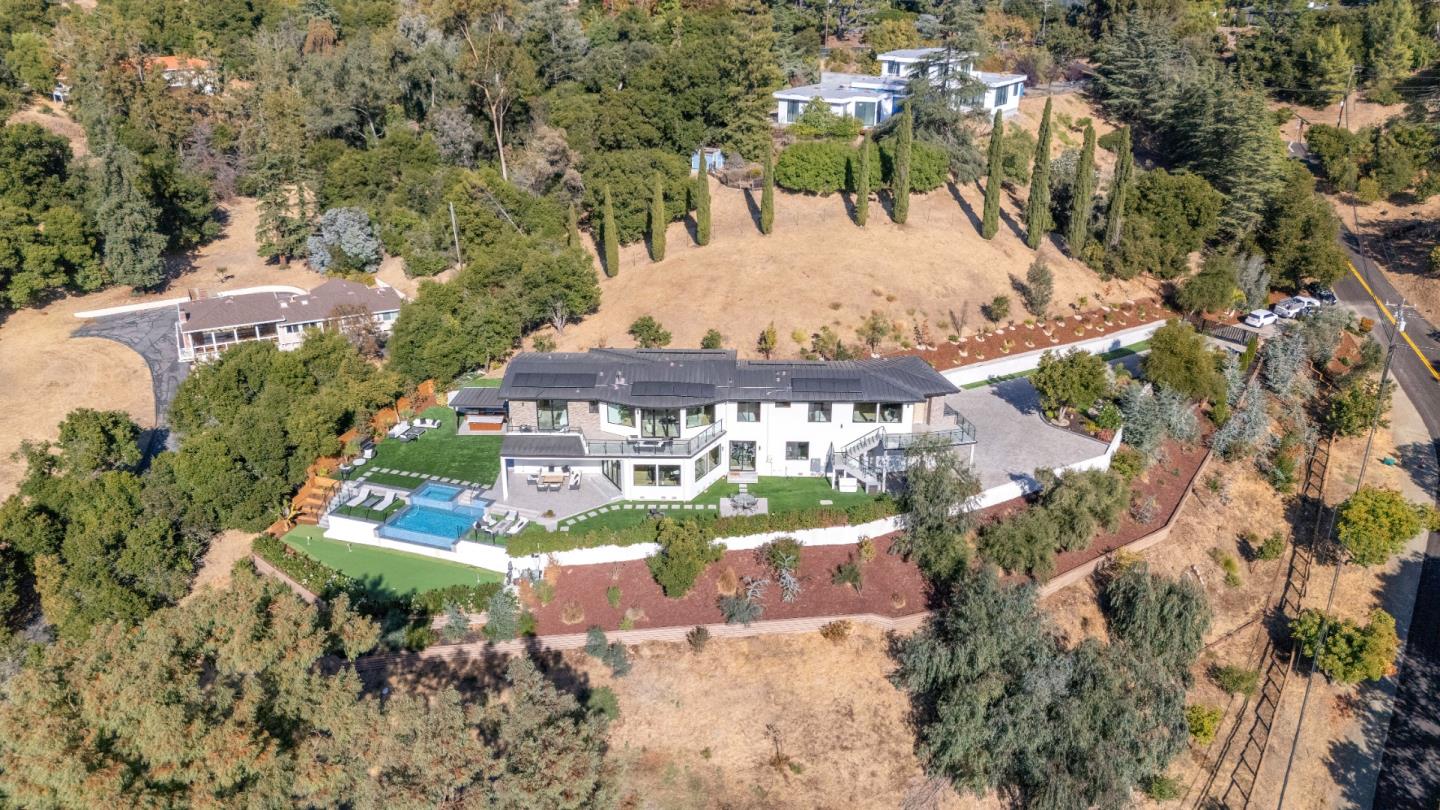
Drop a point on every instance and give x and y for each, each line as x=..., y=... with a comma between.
x=1065, y=517
x=828, y=166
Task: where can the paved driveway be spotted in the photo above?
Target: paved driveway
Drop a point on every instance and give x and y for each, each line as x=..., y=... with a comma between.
x=151, y=333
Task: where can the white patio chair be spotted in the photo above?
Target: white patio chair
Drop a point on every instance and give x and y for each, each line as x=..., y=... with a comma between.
x=385, y=502
x=574, y=480
x=359, y=498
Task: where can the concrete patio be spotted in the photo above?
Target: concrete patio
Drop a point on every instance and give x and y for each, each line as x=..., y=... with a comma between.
x=526, y=498
x=1013, y=440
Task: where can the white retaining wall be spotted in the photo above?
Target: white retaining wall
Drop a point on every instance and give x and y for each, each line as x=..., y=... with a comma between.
x=1005, y=366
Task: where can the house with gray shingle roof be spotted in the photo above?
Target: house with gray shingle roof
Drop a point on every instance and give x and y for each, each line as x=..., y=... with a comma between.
x=207, y=326
x=665, y=424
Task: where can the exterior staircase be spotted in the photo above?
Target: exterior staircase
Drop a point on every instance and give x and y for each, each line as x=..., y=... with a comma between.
x=313, y=498
x=860, y=461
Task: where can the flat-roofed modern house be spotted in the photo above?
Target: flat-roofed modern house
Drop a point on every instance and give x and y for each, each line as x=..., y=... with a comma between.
x=873, y=99
x=208, y=326
x=666, y=424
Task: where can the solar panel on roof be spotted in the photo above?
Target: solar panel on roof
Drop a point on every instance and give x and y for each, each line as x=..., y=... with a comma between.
x=825, y=385
x=554, y=380
x=664, y=388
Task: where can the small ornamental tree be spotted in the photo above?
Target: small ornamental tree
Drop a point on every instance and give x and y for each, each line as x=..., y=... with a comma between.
x=712, y=340
x=1039, y=287
x=862, y=184
x=658, y=220
x=1082, y=196
x=994, y=178
x=684, y=553
x=502, y=616
x=648, y=333
x=1037, y=207
x=767, y=191
x=1119, y=189
x=1075, y=379
x=610, y=237
x=1355, y=409
x=1180, y=359
x=344, y=241
x=702, y=209
x=1375, y=523
x=900, y=185
x=1213, y=288
x=768, y=341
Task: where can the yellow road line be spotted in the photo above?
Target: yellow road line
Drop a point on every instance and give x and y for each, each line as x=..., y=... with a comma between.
x=1391, y=318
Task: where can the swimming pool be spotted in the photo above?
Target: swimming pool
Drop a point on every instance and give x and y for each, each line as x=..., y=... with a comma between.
x=434, y=517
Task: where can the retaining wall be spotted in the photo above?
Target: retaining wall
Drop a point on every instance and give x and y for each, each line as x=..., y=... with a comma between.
x=1006, y=366
x=351, y=530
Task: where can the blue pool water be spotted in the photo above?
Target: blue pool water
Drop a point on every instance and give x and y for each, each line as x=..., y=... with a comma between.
x=433, y=518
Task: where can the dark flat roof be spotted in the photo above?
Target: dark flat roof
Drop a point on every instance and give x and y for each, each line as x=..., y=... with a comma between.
x=476, y=397
x=541, y=445
x=676, y=378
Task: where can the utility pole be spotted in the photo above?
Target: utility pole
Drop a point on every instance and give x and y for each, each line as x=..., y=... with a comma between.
x=1345, y=102
x=455, y=234
x=1395, y=332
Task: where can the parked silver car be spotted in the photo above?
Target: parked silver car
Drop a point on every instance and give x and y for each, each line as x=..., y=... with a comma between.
x=1290, y=308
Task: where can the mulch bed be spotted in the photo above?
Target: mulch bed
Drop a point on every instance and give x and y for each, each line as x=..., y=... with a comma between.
x=891, y=586
x=1017, y=338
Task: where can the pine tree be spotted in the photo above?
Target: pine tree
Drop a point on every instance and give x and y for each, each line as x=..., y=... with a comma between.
x=610, y=237
x=658, y=220
x=901, y=185
x=1119, y=190
x=862, y=184
x=1037, y=207
x=990, y=223
x=128, y=221
x=702, y=209
x=1329, y=59
x=767, y=192
x=1082, y=195
x=1391, y=42
x=572, y=228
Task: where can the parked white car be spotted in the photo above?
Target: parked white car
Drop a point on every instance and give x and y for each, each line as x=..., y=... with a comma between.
x=1289, y=308
x=1310, y=304
x=1260, y=318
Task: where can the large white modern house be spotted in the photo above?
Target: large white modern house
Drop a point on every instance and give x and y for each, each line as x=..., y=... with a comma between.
x=666, y=424
x=207, y=326
x=872, y=99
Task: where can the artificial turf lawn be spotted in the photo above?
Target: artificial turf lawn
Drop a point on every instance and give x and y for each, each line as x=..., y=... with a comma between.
x=441, y=452
x=383, y=569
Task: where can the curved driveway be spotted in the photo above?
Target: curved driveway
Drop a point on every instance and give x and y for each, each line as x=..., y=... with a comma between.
x=151, y=333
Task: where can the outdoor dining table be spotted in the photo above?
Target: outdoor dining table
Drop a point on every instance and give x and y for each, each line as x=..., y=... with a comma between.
x=553, y=478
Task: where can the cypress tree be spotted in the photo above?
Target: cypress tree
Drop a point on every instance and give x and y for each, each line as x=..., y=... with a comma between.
x=610, y=237
x=901, y=185
x=767, y=192
x=658, y=220
x=990, y=223
x=1037, y=208
x=702, y=209
x=862, y=184
x=1119, y=189
x=1082, y=195
x=572, y=228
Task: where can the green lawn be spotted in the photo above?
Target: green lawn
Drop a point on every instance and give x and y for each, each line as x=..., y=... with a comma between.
x=783, y=494
x=382, y=569
x=439, y=452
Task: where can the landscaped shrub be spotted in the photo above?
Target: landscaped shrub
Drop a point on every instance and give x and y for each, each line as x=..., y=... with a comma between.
x=1350, y=653
x=848, y=573
x=697, y=638
x=544, y=592
x=602, y=700
x=816, y=167
x=612, y=595
x=1068, y=512
x=1127, y=463
x=684, y=553
x=1236, y=680
x=783, y=558
x=1204, y=722
x=836, y=631
x=502, y=616
x=612, y=654
x=929, y=165
x=1164, y=788
x=456, y=625
x=744, y=608
x=572, y=613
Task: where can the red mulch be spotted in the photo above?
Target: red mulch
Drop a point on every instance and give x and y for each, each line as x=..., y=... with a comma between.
x=891, y=586
x=1044, y=335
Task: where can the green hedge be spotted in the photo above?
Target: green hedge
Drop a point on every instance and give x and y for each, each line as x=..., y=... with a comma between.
x=825, y=167
x=713, y=528
x=327, y=583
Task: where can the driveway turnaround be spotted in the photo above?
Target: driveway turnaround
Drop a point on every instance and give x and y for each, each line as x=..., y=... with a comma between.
x=151, y=333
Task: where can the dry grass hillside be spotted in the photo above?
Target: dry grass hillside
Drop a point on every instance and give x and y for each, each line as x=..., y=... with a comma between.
x=819, y=269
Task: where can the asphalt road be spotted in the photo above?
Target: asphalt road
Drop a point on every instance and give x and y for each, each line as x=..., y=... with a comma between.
x=151, y=333
x=1410, y=770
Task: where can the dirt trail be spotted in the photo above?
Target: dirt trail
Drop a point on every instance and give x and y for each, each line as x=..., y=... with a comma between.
x=53, y=118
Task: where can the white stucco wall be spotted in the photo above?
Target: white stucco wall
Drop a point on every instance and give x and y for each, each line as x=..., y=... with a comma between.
x=1015, y=364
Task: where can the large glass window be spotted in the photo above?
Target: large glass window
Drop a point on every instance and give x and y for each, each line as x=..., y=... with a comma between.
x=865, y=111
x=552, y=414
x=819, y=412
x=742, y=456
x=747, y=412
x=888, y=412
x=662, y=424
x=707, y=462
x=651, y=475
x=892, y=68
x=622, y=415
x=1002, y=95
x=670, y=475
x=793, y=109
x=699, y=417
x=797, y=451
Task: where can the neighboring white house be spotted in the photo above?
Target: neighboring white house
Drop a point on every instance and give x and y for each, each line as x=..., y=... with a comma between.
x=666, y=424
x=872, y=99
x=208, y=326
